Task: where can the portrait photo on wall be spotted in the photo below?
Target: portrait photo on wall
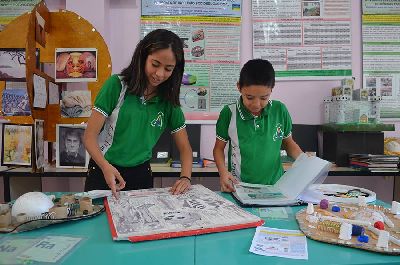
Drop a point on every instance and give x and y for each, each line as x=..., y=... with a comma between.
x=39, y=143
x=76, y=65
x=17, y=145
x=70, y=151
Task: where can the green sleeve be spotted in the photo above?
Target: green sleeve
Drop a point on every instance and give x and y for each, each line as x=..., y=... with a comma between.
x=107, y=98
x=177, y=119
x=223, y=122
x=287, y=121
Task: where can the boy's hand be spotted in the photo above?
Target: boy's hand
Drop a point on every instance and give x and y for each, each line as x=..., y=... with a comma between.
x=111, y=175
x=181, y=186
x=227, y=181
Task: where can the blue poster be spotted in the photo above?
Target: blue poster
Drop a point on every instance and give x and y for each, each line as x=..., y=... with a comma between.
x=15, y=102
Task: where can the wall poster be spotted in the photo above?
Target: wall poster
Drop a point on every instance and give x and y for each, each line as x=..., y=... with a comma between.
x=304, y=40
x=212, y=50
x=381, y=54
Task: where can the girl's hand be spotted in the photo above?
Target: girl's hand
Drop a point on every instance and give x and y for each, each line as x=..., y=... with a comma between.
x=181, y=185
x=112, y=176
x=227, y=181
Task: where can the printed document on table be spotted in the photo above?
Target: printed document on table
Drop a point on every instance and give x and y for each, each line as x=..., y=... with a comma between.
x=50, y=249
x=284, y=243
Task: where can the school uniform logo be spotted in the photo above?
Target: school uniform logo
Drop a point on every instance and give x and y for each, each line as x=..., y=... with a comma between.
x=278, y=135
x=158, y=121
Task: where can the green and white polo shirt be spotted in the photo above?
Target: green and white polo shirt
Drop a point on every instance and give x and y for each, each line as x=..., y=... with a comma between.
x=254, y=141
x=133, y=125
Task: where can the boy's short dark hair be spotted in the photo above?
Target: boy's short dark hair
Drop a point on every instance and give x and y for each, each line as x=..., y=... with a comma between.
x=257, y=72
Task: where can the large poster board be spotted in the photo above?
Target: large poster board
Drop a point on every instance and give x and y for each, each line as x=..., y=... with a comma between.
x=381, y=56
x=151, y=214
x=307, y=40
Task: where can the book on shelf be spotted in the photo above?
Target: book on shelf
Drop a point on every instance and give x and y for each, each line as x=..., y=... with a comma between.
x=195, y=164
x=151, y=214
x=288, y=189
x=372, y=157
x=374, y=163
x=382, y=169
x=161, y=164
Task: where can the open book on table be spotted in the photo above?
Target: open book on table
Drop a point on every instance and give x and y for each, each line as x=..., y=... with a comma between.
x=287, y=190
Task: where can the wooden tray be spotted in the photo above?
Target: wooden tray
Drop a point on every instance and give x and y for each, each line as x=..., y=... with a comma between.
x=310, y=229
x=38, y=223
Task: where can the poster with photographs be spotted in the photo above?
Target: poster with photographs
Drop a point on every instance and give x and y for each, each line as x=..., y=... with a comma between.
x=39, y=143
x=70, y=151
x=76, y=65
x=17, y=145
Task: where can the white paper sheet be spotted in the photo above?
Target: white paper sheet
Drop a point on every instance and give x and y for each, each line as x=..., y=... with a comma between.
x=50, y=249
x=54, y=94
x=39, y=91
x=280, y=243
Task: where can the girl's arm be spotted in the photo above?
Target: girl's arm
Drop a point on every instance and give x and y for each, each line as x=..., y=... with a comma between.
x=111, y=174
x=186, y=157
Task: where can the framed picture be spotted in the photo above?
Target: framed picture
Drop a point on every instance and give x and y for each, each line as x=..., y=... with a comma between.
x=70, y=152
x=39, y=143
x=12, y=64
x=15, y=100
x=76, y=65
x=17, y=144
x=76, y=103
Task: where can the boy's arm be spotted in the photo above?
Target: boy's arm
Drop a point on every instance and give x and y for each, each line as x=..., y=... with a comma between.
x=291, y=147
x=226, y=178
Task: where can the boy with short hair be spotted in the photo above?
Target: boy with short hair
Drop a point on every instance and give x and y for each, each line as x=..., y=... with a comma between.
x=255, y=127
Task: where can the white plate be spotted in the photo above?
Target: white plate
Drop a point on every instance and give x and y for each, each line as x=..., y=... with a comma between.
x=336, y=193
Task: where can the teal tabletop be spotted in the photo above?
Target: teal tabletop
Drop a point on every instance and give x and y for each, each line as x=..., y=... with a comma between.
x=233, y=248
x=218, y=248
x=99, y=248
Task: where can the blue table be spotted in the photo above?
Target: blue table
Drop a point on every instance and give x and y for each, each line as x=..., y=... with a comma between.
x=219, y=248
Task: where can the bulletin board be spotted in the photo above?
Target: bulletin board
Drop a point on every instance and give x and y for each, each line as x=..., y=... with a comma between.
x=61, y=29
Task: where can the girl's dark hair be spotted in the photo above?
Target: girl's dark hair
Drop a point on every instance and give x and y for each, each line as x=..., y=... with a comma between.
x=134, y=75
x=257, y=72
